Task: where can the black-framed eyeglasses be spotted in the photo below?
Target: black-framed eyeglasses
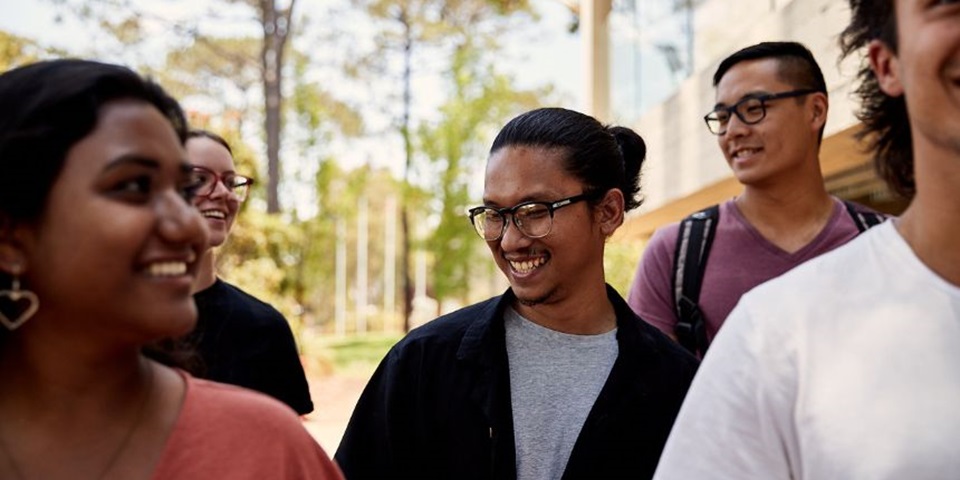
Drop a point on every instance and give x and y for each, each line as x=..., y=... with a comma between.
x=750, y=110
x=207, y=180
x=533, y=219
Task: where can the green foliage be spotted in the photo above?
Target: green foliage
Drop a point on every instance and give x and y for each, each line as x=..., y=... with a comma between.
x=257, y=257
x=314, y=108
x=208, y=66
x=289, y=259
x=16, y=51
x=455, y=146
x=447, y=152
x=620, y=263
x=358, y=355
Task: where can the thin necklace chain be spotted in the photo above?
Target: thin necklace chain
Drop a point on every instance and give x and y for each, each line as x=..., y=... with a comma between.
x=120, y=448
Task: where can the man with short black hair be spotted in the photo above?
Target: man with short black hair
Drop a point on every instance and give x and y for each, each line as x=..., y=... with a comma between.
x=848, y=366
x=769, y=120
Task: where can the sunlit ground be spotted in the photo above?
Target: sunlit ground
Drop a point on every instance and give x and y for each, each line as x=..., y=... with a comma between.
x=338, y=368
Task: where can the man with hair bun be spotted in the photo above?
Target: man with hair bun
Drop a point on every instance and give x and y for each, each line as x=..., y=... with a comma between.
x=555, y=378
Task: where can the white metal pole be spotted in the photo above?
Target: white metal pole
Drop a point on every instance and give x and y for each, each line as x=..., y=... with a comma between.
x=362, y=266
x=390, y=260
x=340, y=303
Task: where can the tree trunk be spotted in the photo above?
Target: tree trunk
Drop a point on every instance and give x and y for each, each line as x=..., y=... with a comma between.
x=276, y=24
x=408, y=152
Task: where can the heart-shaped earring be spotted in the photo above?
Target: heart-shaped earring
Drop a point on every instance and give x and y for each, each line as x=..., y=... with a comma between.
x=24, y=302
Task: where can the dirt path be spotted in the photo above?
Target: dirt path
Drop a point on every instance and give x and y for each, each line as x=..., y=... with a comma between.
x=333, y=399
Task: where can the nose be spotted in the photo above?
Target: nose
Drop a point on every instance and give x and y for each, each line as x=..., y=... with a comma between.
x=512, y=238
x=220, y=189
x=179, y=222
x=735, y=127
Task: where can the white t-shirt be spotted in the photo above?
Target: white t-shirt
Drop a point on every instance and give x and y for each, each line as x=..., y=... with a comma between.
x=847, y=367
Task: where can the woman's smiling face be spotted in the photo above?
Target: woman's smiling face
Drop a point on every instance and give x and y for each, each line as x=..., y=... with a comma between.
x=118, y=240
x=219, y=208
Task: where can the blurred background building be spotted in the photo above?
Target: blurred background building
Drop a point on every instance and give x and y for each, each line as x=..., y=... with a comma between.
x=649, y=64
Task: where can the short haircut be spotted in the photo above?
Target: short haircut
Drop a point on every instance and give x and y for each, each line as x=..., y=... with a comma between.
x=795, y=65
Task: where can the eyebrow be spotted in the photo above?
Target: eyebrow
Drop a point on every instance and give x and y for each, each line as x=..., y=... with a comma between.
x=143, y=161
x=527, y=198
x=223, y=173
x=754, y=94
x=132, y=159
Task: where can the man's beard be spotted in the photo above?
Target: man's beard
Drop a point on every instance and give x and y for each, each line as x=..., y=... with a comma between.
x=532, y=302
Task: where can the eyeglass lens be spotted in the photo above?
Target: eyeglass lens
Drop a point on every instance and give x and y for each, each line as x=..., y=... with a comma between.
x=533, y=220
x=749, y=110
x=238, y=185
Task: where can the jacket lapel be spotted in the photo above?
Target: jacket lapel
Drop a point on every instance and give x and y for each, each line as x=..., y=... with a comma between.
x=483, y=353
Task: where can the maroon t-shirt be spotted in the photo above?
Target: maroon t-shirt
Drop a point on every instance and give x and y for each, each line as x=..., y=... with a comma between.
x=739, y=260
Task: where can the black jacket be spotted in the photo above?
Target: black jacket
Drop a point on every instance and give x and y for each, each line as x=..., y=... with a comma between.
x=438, y=405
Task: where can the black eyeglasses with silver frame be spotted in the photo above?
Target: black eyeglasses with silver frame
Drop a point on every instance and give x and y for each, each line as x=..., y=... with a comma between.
x=751, y=110
x=534, y=219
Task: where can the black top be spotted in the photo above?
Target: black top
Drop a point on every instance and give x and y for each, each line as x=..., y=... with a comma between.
x=439, y=404
x=244, y=341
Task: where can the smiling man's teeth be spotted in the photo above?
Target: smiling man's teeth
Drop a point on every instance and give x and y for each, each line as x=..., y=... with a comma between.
x=167, y=269
x=527, y=266
x=214, y=214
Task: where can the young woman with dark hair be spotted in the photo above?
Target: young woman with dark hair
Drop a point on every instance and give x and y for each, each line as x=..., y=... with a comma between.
x=98, y=252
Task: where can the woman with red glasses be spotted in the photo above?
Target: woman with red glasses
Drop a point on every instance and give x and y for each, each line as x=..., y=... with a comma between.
x=240, y=339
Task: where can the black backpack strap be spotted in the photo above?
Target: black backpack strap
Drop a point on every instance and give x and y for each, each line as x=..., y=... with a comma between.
x=689, y=263
x=862, y=218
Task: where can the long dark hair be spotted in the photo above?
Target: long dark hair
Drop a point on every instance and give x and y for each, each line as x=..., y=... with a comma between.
x=602, y=157
x=885, y=125
x=46, y=108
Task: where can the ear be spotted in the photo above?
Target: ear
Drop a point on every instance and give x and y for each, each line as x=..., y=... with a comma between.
x=820, y=106
x=13, y=258
x=886, y=67
x=609, y=212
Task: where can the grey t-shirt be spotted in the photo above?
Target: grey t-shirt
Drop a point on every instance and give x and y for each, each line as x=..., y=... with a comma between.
x=555, y=379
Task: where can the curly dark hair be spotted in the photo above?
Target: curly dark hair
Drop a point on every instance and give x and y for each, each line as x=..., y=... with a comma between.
x=884, y=117
x=602, y=157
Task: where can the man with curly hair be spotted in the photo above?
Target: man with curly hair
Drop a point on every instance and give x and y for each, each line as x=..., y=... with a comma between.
x=848, y=366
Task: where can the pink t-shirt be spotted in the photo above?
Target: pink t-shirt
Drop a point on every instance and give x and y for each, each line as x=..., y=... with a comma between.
x=226, y=432
x=739, y=260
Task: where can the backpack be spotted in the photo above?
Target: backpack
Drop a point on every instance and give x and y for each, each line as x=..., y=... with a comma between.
x=690, y=260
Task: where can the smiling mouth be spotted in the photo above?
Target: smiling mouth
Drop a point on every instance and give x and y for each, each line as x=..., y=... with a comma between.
x=167, y=269
x=217, y=214
x=744, y=152
x=527, y=266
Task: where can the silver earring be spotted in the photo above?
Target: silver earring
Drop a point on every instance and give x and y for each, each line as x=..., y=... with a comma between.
x=24, y=302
